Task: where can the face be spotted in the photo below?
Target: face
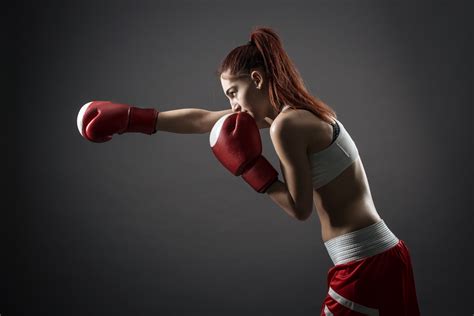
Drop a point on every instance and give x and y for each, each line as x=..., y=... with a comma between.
x=247, y=94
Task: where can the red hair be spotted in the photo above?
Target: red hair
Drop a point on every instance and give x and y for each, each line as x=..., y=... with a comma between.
x=285, y=85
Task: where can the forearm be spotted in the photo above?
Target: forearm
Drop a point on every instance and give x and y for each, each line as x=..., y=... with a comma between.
x=183, y=121
x=189, y=120
x=279, y=193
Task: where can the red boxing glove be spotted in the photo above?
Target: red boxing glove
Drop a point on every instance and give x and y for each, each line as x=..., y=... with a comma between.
x=235, y=141
x=97, y=121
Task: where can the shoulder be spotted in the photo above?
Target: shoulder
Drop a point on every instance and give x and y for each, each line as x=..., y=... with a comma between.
x=289, y=133
x=284, y=122
x=288, y=121
x=296, y=123
x=300, y=130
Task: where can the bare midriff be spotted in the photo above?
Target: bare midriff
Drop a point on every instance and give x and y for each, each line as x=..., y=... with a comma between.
x=344, y=204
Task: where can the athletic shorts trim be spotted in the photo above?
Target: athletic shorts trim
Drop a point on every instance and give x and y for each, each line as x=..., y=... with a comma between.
x=350, y=305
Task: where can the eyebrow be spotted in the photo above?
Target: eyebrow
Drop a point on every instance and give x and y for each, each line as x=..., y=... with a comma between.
x=227, y=92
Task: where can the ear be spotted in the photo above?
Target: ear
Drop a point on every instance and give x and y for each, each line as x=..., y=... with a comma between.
x=257, y=78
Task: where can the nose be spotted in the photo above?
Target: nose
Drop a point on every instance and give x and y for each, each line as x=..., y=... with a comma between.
x=236, y=108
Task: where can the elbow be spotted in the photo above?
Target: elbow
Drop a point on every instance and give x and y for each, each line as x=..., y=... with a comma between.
x=302, y=216
x=303, y=211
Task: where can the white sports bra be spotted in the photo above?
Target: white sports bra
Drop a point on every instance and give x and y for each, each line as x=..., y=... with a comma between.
x=328, y=163
x=334, y=159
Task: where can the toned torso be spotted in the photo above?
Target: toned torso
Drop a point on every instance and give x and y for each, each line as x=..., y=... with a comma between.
x=344, y=204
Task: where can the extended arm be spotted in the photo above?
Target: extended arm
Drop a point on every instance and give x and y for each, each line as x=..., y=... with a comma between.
x=192, y=120
x=188, y=120
x=98, y=121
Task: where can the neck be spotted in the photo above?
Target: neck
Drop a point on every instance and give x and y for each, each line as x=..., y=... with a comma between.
x=271, y=115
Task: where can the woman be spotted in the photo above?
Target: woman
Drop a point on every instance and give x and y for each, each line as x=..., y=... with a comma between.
x=320, y=163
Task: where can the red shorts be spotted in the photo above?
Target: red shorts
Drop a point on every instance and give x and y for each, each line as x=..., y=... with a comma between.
x=380, y=284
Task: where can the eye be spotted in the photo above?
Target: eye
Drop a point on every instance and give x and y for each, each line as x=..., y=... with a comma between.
x=232, y=93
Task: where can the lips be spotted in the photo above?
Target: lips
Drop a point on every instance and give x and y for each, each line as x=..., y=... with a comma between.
x=246, y=111
x=249, y=113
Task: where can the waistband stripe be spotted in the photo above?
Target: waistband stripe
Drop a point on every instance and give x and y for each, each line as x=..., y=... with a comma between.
x=360, y=244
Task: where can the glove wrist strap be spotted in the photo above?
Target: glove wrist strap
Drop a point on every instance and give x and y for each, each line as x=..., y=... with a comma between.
x=261, y=175
x=141, y=120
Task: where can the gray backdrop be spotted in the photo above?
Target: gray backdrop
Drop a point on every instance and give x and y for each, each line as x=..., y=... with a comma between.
x=154, y=225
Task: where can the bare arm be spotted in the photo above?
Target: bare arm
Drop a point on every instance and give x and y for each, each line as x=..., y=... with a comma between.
x=191, y=120
x=188, y=120
x=295, y=194
x=279, y=193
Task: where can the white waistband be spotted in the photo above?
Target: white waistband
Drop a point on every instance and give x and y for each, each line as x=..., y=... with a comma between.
x=360, y=244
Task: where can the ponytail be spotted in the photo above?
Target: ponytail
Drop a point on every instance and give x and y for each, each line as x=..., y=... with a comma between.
x=285, y=84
